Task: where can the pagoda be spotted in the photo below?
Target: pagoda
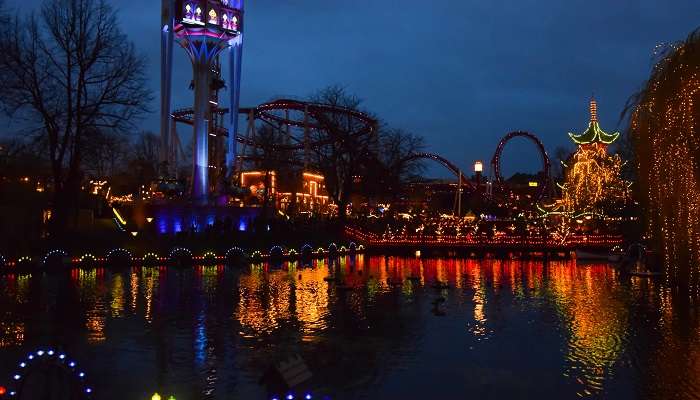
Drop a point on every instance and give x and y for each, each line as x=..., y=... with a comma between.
x=593, y=184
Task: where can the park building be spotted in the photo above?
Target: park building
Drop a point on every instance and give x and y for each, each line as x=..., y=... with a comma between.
x=291, y=193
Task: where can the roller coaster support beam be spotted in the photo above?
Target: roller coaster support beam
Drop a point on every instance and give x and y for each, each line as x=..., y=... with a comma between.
x=236, y=58
x=166, y=83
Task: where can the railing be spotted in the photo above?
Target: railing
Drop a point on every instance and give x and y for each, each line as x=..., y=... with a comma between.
x=483, y=241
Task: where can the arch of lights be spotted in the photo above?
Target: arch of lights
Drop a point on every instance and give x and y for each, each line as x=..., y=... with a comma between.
x=52, y=358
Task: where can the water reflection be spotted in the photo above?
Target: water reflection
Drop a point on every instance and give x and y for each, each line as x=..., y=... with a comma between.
x=366, y=326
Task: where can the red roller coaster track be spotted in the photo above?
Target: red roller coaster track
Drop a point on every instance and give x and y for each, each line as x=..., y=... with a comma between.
x=280, y=113
x=544, y=179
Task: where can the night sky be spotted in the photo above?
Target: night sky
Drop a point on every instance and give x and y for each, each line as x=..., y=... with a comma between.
x=462, y=73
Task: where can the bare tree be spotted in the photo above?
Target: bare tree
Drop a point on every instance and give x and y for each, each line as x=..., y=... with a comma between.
x=105, y=153
x=344, y=153
x=69, y=70
x=396, y=147
x=143, y=160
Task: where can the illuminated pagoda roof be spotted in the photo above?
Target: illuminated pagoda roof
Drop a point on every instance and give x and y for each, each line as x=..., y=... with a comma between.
x=594, y=134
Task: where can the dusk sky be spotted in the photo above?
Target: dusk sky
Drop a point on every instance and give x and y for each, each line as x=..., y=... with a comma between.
x=461, y=73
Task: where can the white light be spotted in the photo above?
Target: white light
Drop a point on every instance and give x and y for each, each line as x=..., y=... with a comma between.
x=40, y=353
x=82, y=374
x=22, y=365
x=71, y=364
x=17, y=377
x=62, y=356
x=50, y=352
x=31, y=356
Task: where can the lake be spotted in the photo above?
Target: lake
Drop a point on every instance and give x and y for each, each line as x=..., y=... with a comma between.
x=384, y=328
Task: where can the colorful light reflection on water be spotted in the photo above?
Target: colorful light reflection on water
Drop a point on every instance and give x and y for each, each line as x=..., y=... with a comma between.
x=502, y=329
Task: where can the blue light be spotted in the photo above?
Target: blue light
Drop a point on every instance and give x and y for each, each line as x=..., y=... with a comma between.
x=50, y=352
x=308, y=396
x=242, y=226
x=82, y=374
x=22, y=365
x=290, y=397
x=88, y=390
x=31, y=356
x=71, y=364
x=62, y=356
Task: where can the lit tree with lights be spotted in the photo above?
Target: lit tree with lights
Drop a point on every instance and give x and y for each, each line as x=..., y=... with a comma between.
x=666, y=137
x=593, y=182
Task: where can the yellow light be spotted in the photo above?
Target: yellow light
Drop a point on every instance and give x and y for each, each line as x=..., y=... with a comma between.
x=119, y=216
x=533, y=184
x=155, y=396
x=478, y=166
x=134, y=234
x=314, y=176
x=149, y=219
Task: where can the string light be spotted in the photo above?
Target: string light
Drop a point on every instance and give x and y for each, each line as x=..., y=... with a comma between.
x=667, y=144
x=45, y=356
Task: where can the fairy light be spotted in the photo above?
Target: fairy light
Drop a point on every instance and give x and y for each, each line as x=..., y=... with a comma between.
x=45, y=356
x=666, y=139
x=593, y=179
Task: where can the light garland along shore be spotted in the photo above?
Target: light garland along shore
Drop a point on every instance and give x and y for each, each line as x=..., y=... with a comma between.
x=43, y=358
x=176, y=256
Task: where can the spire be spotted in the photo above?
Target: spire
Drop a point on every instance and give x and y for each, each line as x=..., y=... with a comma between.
x=594, y=110
x=594, y=134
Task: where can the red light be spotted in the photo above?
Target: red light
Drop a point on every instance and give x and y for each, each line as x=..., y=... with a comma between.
x=2, y=390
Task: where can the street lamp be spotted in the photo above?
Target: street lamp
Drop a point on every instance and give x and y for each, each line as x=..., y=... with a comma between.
x=478, y=169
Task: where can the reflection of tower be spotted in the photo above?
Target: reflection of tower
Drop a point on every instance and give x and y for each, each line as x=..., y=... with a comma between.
x=204, y=28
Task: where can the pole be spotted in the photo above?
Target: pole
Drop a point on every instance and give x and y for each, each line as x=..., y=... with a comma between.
x=459, y=196
x=200, y=184
x=235, y=60
x=166, y=71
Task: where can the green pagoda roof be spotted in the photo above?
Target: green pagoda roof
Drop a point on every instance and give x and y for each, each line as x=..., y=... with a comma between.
x=594, y=134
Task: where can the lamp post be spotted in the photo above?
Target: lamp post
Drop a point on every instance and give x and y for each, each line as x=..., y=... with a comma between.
x=478, y=170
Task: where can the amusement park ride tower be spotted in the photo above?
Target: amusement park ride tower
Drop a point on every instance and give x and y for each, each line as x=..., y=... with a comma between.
x=205, y=29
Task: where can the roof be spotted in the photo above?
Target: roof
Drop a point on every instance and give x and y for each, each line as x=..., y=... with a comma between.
x=594, y=134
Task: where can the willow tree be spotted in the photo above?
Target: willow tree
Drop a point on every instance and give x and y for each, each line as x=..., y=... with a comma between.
x=665, y=124
x=68, y=71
